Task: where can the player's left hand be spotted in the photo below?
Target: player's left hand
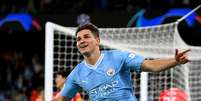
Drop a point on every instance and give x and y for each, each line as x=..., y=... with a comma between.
x=181, y=57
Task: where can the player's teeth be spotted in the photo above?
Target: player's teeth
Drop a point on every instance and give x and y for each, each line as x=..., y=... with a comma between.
x=82, y=46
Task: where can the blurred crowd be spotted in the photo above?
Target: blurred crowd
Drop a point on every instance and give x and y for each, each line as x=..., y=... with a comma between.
x=21, y=77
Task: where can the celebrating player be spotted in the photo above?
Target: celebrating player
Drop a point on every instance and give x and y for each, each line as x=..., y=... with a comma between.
x=105, y=75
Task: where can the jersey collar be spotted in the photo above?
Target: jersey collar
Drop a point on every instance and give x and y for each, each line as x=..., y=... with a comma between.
x=97, y=63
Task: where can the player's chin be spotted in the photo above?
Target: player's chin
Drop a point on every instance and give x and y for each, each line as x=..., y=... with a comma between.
x=86, y=53
x=83, y=50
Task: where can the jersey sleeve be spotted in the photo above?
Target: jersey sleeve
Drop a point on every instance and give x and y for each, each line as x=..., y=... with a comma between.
x=133, y=61
x=70, y=87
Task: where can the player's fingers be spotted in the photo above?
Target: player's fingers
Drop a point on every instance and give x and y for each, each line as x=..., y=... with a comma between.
x=184, y=52
x=184, y=61
x=182, y=57
x=176, y=52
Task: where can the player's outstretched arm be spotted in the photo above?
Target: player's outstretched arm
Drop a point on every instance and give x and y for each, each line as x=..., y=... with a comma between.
x=59, y=97
x=158, y=65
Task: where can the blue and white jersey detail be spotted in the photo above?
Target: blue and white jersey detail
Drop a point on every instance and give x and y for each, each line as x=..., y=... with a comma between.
x=110, y=80
x=97, y=63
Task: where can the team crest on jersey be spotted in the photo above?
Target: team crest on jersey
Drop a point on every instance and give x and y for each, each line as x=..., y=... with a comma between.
x=110, y=72
x=131, y=55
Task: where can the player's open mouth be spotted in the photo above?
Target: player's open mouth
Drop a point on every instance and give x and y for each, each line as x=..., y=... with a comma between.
x=83, y=45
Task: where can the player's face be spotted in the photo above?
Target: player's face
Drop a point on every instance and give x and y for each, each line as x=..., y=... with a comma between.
x=59, y=81
x=86, y=42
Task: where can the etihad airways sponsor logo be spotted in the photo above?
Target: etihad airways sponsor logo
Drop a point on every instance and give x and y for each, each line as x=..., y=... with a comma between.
x=103, y=90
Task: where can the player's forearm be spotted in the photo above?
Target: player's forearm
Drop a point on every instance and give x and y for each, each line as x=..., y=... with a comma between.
x=158, y=64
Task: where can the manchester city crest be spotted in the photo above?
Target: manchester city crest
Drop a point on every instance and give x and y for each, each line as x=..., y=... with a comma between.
x=110, y=72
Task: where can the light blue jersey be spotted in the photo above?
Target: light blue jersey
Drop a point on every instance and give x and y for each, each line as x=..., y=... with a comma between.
x=108, y=80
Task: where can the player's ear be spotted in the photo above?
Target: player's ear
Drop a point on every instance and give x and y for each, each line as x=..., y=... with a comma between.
x=98, y=40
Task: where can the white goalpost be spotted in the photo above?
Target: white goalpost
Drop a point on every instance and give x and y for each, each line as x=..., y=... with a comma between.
x=152, y=42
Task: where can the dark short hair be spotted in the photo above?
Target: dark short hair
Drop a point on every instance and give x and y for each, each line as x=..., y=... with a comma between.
x=90, y=27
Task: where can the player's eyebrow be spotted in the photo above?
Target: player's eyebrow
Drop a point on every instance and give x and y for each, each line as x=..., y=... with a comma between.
x=78, y=38
x=85, y=35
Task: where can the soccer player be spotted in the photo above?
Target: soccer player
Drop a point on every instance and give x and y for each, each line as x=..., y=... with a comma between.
x=105, y=75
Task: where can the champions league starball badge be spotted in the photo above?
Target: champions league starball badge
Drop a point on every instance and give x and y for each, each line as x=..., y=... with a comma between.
x=110, y=72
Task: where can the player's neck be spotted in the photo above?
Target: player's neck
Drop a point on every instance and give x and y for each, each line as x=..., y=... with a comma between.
x=93, y=58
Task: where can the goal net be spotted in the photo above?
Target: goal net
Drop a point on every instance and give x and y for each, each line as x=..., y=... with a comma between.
x=151, y=42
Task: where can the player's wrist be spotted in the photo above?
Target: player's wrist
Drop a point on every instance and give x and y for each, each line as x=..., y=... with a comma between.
x=176, y=61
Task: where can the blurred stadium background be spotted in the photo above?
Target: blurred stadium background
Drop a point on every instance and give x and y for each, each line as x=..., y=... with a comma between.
x=22, y=33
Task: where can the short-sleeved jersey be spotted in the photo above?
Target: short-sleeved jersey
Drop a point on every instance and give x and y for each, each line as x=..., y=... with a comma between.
x=108, y=80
